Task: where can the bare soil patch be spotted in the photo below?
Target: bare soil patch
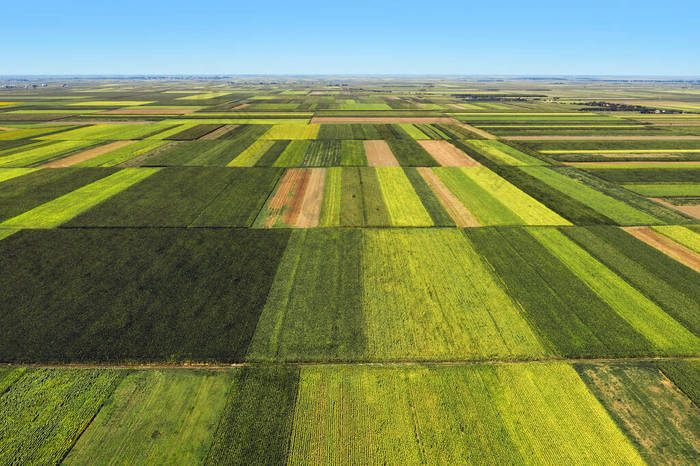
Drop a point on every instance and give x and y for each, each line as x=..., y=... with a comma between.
x=313, y=198
x=692, y=210
x=379, y=154
x=385, y=120
x=217, y=133
x=238, y=107
x=667, y=246
x=284, y=206
x=448, y=155
x=87, y=154
x=459, y=213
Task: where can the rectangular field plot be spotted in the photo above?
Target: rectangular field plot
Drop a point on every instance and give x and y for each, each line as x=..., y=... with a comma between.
x=635, y=396
x=187, y=197
x=612, y=208
x=564, y=310
x=200, y=153
x=297, y=200
x=110, y=132
x=43, y=153
x=293, y=131
x=23, y=193
x=666, y=281
x=64, y=208
x=121, y=155
x=448, y=155
x=44, y=411
x=665, y=334
x=402, y=201
x=502, y=153
x=665, y=189
x=428, y=295
x=256, y=422
x=148, y=297
x=314, y=309
x=506, y=414
x=494, y=201
x=156, y=416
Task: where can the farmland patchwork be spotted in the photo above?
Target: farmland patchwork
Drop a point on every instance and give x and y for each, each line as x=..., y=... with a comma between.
x=350, y=271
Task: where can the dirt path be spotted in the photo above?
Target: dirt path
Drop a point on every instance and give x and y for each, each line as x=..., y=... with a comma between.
x=459, y=213
x=667, y=246
x=692, y=210
x=224, y=366
x=601, y=138
x=478, y=131
x=379, y=154
x=87, y=154
x=310, y=211
x=238, y=107
x=448, y=155
x=385, y=120
x=217, y=133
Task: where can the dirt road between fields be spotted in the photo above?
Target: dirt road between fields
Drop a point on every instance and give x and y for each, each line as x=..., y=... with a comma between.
x=667, y=246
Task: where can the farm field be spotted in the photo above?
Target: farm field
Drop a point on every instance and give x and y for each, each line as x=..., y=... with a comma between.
x=350, y=271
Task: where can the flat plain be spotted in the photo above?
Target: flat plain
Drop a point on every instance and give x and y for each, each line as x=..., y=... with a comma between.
x=372, y=271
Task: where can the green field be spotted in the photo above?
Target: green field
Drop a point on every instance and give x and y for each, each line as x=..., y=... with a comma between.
x=349, y=269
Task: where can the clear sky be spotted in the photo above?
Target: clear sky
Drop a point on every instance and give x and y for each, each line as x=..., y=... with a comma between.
x=613, y=37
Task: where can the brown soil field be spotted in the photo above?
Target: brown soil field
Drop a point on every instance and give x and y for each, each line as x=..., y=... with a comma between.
x=385, y=120
x=313, y=199
x=480, y=132
x=285, y=204
x=238, y=107
x=600, y=138
x=667, y=246
x=459, y=213
x=692, y=210
x=217, y=133
x=448, y=155
x=87, y=154
x=379, y=154
x=149, y=111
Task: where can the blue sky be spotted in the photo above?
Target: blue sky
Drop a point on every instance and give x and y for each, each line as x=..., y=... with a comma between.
x=614, y=37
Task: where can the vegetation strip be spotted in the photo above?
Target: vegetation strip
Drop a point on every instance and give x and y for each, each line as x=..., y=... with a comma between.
x=64, y=208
